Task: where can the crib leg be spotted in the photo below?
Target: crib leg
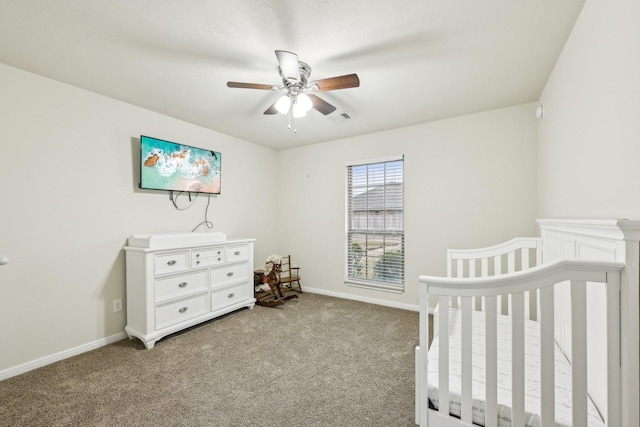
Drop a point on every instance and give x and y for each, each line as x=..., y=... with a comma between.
x=417, y=385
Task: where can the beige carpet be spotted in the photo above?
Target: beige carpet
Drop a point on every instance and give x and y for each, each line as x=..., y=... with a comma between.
x=315, y=361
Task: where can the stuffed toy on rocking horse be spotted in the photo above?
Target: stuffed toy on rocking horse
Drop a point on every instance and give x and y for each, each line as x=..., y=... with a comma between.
x=272, y=270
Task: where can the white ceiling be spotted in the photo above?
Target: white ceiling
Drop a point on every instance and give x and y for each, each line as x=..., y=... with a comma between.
x=418, y=60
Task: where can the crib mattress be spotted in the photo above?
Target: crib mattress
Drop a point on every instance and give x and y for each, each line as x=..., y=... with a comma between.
x=532, y=374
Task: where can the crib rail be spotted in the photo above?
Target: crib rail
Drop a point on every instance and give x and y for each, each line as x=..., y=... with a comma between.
x=540, y=280
x=516, y=254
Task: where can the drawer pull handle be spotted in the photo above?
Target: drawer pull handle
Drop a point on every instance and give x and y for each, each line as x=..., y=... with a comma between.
x=183, y=309
x=172, y=262
x=197, y=262
x=197, y=255
x=219, y=259
x=182, y=285
x=229, y=274
x=231, y=295
x=236, y=253
x=219, y=252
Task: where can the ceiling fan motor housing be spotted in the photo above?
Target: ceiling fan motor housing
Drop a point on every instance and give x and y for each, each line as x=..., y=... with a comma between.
x=305, y=71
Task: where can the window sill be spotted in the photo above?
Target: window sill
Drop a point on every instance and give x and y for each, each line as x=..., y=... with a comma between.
x=396, y=289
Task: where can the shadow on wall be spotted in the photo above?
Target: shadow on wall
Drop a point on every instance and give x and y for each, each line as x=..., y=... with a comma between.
x=112, y=288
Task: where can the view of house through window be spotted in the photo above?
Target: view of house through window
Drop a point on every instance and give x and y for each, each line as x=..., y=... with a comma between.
x=375, y=224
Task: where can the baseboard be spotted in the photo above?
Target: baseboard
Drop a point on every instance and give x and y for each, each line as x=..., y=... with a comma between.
x=377, y=301
x=38, y=363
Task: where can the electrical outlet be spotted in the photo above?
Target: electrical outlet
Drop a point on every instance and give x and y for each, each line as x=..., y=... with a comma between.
x=117, y=305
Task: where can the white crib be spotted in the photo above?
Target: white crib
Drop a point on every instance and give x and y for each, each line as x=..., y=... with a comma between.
x=536, y=331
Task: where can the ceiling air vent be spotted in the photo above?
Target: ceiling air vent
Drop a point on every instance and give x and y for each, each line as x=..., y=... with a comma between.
x=340, y=118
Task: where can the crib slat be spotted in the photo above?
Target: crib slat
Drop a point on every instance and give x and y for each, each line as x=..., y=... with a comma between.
x=443, y=355
x=472, y=267
x=466, y=360
x=422, y=371
x=497, y=271
x=491, y=362
x=579, y=352
x=524, y=258
x=511, y=262
x=530, y=297
x=484, y=267
x=547, y=371
x=517, y=360
x=613, y=349
x=473, y=273
x=459, y=273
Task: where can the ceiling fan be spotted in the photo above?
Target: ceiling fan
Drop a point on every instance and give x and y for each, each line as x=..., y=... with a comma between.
x=295, y=80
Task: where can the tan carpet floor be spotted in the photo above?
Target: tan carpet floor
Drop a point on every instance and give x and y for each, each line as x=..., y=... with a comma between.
x=314, y=361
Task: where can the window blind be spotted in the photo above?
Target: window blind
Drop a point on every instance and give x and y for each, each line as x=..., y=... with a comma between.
x=375, y=224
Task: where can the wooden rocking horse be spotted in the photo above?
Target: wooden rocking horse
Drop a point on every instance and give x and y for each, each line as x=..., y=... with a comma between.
x=271, y=276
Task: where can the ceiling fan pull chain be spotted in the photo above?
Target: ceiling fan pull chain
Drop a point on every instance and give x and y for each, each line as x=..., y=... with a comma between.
x=292, y=121
x=294, y=101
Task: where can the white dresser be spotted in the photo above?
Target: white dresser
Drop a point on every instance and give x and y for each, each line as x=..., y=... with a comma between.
x=175, y=281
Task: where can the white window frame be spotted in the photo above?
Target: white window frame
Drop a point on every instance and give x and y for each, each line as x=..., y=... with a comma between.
x=397, y=233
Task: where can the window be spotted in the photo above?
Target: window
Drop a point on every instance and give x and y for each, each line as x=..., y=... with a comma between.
x=375, y=224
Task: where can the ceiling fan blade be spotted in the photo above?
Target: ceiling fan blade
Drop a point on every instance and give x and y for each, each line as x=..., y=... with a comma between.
x=334, y=83
x=288, y=65
x=323, y=106
x=271, y=110
x=250, y=86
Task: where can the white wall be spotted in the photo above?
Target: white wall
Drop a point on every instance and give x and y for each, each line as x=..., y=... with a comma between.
x=469, y=181
x=70, y=200
x=589, y=143
x=68, y=174
x=589, y=138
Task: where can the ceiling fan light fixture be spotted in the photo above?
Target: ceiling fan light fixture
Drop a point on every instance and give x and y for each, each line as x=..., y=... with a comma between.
x=283, y=104
x=303, y=102
x=301, y=105
x=298, y=112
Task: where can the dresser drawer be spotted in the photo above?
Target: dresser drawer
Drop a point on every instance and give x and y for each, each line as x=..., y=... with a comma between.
x=227, y=295
x=176, y=286
x=229, y=274
x=207, y=257
x=178, y=311
x=237, y=253
x=167, y=263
